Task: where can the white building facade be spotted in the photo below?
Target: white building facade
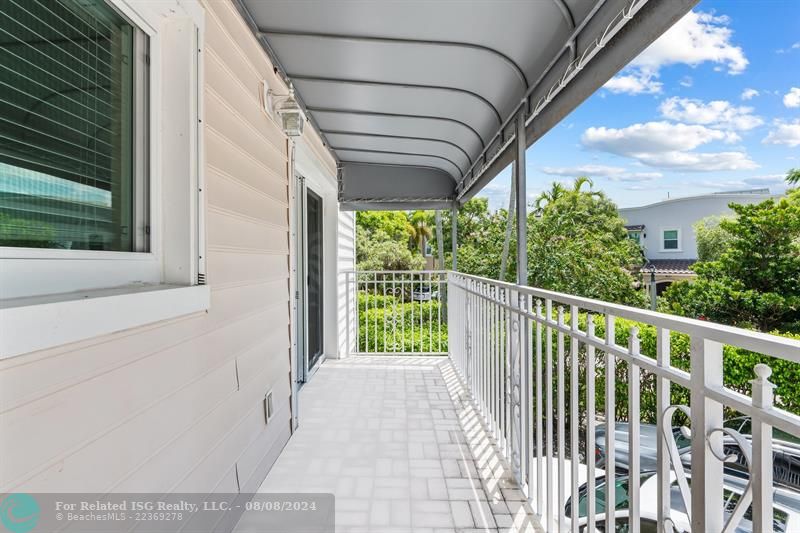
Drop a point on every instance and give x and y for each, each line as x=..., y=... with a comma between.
x=665, y=229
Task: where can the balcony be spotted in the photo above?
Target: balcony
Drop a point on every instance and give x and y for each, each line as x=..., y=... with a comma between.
x=495, y=435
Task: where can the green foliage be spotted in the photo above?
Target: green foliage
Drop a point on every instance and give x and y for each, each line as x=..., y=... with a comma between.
x=793, y=176
x=26, y=233
x=394, y=224
x=712, y=238
x=577, y=244
x=385, y=324
x=420, y=229
x=378, y=252
x=382, y=242
x=755, y=282
x=738, y=365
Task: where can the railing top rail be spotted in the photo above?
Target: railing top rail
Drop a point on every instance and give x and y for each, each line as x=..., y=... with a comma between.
x=773, y=345
x=393, y=271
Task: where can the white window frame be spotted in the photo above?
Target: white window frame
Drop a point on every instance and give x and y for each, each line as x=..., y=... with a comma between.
x=670, y=250
x=39, y=288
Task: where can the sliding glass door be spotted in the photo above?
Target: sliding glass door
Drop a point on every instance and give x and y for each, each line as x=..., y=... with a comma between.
x=314, y=277
x=310, y=326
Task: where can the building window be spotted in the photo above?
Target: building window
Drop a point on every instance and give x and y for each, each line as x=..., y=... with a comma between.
x=671, y=240
x=635, y=236
x=73, y=137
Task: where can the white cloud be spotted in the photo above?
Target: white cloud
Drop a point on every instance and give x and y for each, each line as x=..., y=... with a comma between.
x=697, y=38
x=749, y=94
x=634, y=83
x=668, y=145
x=771, y=181
x=787, y=133
x=686, y=81
x=602, y=171
x=717, y=113
x=792, y=98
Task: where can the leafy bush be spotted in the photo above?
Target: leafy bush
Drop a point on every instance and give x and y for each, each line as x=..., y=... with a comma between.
x=738, y=365
x=391, y=324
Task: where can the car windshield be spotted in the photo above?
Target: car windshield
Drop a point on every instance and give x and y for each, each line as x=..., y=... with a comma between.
x=680, y=439
x=743, y=426
x=779, y=518
x=621, y=494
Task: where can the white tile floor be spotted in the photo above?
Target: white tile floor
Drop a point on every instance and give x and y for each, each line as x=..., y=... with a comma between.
x=397, y=442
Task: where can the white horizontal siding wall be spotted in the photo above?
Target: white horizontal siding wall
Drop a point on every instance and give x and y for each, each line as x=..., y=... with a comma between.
x=178, y=405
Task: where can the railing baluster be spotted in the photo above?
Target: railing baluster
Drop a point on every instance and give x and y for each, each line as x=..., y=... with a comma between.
x=591, y=422
x=574, y=413
x=515, y=378
x=706, y=366
x=540, y=489
x=663, y=393
x=383, y=284
x=528, y=397
x=548, y=309
x=421, y=314
x=375, y=287
x=560, y=420
x=495, y=367
x=761, y=475
x=633, y=428
x=611, y=426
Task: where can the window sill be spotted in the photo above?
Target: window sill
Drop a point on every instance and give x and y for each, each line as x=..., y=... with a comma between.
x=40, y=322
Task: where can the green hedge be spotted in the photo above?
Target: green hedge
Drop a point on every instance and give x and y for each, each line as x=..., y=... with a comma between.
x=376, y=312
x=738, y=365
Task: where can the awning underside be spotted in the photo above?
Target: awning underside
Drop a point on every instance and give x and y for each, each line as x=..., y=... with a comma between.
x=417, y=99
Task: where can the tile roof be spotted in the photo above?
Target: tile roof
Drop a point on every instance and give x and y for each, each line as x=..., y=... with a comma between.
x=672, y=266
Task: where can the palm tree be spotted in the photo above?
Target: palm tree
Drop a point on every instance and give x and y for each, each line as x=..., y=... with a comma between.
x=793, y=176
x=419, y=230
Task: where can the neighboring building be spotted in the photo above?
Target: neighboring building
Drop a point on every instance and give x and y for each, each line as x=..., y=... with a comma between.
x=665, y=229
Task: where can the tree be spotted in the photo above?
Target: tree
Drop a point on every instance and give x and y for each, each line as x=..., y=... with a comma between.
x=577, y=243
x=394, y=224
x=793, y=176
x=755, y=282
x=377, y=251
x=712, y=238
x=420, y=230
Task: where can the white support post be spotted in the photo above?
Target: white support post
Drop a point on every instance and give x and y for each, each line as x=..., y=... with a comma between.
x=763, y=395
x=512, y=202
x=522, y=204
x=706, y=372
x=454, y=234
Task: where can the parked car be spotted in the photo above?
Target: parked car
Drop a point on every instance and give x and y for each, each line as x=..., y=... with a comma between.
x=647, y=446
x=786, y=512
x=785, y=452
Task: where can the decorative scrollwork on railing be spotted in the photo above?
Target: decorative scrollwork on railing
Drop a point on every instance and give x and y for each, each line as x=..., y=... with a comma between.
x=742, y=456
x=674, y=456
x=747, y=497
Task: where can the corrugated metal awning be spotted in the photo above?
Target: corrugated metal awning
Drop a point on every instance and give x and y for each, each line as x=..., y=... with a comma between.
x=418, y=99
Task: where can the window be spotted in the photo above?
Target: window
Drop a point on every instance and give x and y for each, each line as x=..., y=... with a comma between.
x=671, y=239
x=96, y=235
x=73, y=165
x=635, y=236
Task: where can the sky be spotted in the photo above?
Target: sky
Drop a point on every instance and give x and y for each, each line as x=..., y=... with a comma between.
x=712, y=105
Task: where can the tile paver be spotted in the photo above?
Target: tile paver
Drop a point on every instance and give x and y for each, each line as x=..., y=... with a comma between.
x=396, y=440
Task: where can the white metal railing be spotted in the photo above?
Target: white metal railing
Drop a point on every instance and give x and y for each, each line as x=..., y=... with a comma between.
x=531, y=359
x=397, y=312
